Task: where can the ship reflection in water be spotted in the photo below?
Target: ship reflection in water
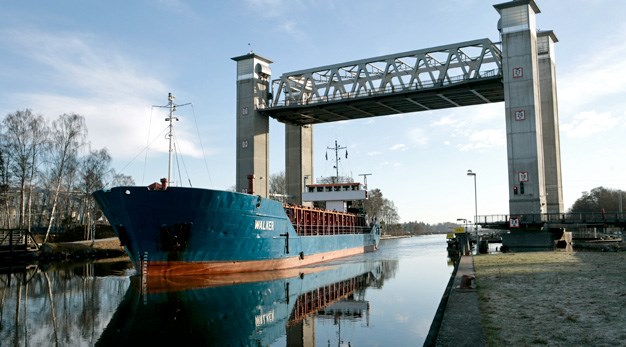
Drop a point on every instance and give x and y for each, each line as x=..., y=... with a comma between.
x=257, y=309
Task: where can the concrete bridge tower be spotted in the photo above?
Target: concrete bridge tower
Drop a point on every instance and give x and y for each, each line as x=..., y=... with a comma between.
x=298, y=161
x=253, y=92
x=252, y=168
x=550, y=121
x=533, y=147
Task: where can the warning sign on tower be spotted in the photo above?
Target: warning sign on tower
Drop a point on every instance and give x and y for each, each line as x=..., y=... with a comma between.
x=522, y=176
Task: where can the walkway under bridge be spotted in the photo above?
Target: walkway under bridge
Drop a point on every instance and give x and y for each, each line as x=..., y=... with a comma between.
x=554, y=220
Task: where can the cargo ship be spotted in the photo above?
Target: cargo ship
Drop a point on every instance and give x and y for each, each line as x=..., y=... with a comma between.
x=169, y=230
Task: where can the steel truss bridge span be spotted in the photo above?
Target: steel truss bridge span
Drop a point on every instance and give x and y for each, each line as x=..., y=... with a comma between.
x=461, y=74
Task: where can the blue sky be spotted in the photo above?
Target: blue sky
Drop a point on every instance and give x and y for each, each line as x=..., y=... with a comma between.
x=111, y=60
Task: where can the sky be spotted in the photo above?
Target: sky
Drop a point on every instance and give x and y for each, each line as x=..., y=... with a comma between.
x=111, y=61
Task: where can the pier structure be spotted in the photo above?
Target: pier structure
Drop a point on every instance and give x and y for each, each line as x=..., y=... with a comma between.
x=531, y=112
x=253, y=129
x=520, y=70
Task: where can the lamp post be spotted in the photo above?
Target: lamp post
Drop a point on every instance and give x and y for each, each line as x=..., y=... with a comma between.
x=470, y=173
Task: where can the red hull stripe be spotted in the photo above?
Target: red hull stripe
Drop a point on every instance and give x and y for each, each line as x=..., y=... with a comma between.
x=164, y=284
x=178, y=268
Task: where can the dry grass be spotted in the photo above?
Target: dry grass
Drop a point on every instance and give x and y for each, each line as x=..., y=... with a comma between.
x=553, y=298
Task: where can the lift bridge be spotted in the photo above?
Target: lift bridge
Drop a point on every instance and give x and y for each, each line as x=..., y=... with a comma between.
x=519, y=70
x=462, y=74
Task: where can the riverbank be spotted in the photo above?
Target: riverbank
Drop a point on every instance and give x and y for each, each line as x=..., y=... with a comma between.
x=98, y=249
x=553, y=298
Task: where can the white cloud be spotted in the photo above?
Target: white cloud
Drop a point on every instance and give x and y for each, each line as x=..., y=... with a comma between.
x=374, y=153
x=273, y=8
x=78, y=64
x=587, y=124
x=483, y=139
x=418, y=136
x=399, y=147
x=290, y=27
x=445, y=120
x=110, y=90
x=595, y=77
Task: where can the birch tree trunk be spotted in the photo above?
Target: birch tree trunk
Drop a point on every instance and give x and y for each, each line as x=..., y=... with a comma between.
x=68, y=134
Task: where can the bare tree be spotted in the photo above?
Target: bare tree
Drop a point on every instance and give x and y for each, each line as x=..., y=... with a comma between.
x=335, y=179
x=39, y=130
x=93, y=171
x=122, y=180
x=374, y=203
x=24, y=135
x=390, y=213
x=379, y=207
x=278, y=184
x=4, y=188
x=67, y=136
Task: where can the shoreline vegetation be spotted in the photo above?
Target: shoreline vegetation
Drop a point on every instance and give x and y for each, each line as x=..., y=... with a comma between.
x=556, y=298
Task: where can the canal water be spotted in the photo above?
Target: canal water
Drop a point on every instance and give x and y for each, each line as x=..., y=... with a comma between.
x=385, y=298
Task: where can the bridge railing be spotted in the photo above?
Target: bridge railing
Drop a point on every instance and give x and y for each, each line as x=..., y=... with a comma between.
x=407, y=71
x=389, y=89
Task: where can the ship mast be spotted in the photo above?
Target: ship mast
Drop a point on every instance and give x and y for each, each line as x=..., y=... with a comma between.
x=171, y=106
x=336, y=167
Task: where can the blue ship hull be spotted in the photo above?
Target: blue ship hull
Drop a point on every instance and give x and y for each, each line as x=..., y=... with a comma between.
x=179, y=231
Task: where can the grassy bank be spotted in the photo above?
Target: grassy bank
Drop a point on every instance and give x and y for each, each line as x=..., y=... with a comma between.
x=553, y=298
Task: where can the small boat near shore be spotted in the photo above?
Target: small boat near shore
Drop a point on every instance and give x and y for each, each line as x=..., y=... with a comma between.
x=170, y=230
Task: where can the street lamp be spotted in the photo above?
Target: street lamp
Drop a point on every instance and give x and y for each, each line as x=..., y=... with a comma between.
x=470, y=173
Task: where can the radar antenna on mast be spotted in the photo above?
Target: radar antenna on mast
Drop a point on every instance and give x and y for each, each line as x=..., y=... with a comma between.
x=171, y=106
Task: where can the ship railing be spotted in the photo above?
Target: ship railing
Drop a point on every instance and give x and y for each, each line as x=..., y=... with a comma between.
x=321, y=229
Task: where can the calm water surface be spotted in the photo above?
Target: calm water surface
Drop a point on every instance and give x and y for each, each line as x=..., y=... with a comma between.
x=386, y=298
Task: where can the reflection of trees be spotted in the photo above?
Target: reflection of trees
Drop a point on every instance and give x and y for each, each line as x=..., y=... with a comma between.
x=388, y=270
x=58, y=307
